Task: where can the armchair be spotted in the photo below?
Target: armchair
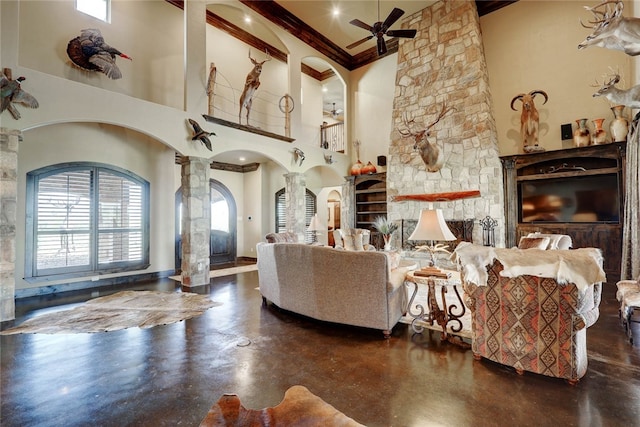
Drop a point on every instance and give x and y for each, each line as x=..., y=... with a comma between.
x=533, y=322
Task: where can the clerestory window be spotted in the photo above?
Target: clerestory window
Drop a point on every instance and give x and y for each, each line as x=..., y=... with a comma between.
x=100, y=9
x=85, y=219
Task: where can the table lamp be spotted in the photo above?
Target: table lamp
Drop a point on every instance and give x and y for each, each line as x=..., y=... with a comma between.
x=432, y=227
x=314, y=227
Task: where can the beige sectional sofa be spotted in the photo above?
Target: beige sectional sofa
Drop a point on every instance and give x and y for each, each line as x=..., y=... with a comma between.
x=349, y=287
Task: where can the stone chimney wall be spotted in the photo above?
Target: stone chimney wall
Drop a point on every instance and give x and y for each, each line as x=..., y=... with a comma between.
x=445, y=63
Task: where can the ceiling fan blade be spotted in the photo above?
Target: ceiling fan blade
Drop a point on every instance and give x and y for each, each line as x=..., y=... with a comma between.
x=392, y=18
x=402, y=33
x=359, y=23
x=359, y=42
x=382, y=46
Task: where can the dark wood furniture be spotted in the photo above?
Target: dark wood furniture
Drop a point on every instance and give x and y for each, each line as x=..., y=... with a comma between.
x=562, y=172
x=370, y=202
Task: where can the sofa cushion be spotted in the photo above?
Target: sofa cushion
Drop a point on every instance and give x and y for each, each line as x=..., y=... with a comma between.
x=556, y=241
x=534, y=243
x=353, y=241
x=285, y=237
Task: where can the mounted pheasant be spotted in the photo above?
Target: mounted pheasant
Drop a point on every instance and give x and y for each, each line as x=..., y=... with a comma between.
x=90, y=52
x=11, y=93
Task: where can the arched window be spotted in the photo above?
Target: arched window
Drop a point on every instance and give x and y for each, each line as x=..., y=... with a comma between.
x=281, y=212
x=85, y=218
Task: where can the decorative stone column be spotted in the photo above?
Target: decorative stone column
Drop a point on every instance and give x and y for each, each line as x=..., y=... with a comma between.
x=295, y=201
x=347, y=201
x=8, y=199
x=196, y=221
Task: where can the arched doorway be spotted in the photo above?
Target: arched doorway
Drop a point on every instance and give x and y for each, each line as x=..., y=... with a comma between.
x=223, y=237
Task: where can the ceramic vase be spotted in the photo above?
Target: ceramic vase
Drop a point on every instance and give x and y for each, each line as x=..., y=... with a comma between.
x=620, y=125
x=368, y=168
x=387, y=242
x=581, y=136
x=356, y=169
x=599, y=136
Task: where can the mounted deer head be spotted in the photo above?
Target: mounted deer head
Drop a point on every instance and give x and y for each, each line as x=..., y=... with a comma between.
x=611, y=30
x=429, y=151
x=251, y=85
x=629, y=97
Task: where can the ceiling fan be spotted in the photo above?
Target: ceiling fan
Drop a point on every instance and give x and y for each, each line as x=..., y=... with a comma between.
x=380, y=29
x=334, y=113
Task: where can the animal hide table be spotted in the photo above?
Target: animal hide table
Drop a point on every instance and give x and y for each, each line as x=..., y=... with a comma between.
x=299, y=407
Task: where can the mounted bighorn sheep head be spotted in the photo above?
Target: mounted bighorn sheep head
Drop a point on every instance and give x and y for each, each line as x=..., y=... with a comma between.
x=629, y=98
x=430, y=153
x=529, y=119
x=611, y=30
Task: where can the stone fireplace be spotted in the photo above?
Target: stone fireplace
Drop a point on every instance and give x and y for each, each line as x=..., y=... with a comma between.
x=445, y=63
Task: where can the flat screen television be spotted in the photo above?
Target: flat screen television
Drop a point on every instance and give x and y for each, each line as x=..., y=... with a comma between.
x=594, y=198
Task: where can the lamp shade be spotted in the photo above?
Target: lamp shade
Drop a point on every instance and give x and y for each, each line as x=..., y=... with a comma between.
x=315, y=224
x=431, y=226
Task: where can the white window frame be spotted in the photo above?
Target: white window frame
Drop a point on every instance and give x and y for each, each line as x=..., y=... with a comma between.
x=99, y=9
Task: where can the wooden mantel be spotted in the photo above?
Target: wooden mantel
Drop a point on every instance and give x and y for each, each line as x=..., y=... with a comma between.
x=437, y=197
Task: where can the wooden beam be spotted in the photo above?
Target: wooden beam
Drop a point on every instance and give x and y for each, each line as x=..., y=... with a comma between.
x=294, y=25
x=298, y=28
x=437, y=197
x=245, y=128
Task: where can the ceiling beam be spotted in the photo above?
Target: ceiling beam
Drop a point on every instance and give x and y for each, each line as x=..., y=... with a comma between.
x=301, y=30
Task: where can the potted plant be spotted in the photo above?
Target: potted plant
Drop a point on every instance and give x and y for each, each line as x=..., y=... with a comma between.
x=386, y=228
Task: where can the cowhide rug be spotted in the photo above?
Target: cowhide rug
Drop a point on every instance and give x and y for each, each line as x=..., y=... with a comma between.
x=299, y=407
x=122, y=310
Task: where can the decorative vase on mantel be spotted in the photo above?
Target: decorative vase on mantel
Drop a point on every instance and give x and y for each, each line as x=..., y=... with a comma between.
x=599, y=136
x=356, y=169
x=620, y=125
x=581, y=136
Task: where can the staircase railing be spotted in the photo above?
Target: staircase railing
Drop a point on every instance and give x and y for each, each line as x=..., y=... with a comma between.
x=332, y=137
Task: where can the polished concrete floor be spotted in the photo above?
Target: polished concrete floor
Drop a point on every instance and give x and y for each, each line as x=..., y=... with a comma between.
x=170, y=375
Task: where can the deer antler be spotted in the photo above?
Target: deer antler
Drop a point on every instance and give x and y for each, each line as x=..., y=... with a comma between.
x=444, y=111
x=604, y=15
x=408, y=124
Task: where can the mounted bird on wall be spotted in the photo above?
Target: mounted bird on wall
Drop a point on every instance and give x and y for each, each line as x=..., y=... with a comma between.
x=11, y=93
x=90, y=52
x=200, y=134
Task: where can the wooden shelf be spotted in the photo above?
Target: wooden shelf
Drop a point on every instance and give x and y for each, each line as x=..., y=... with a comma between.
x=370, y=202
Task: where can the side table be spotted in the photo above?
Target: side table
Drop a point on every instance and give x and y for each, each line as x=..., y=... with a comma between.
x=442, y=314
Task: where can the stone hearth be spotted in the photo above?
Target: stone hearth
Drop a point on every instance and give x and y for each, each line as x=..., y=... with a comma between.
x=445, y=63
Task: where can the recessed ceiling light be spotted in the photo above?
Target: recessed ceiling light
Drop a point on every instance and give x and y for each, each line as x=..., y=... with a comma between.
x=247, y=19
x=336, y=11
x=242, y=159
x=324, y=89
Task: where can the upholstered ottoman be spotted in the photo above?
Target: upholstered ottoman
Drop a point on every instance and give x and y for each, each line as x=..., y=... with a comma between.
x=628, y=295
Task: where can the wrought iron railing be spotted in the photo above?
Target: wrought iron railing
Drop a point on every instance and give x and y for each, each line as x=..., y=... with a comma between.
x=332, y=137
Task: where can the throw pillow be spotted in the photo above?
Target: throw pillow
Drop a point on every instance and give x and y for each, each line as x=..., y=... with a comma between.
x=353, y=242
x=533, y=243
